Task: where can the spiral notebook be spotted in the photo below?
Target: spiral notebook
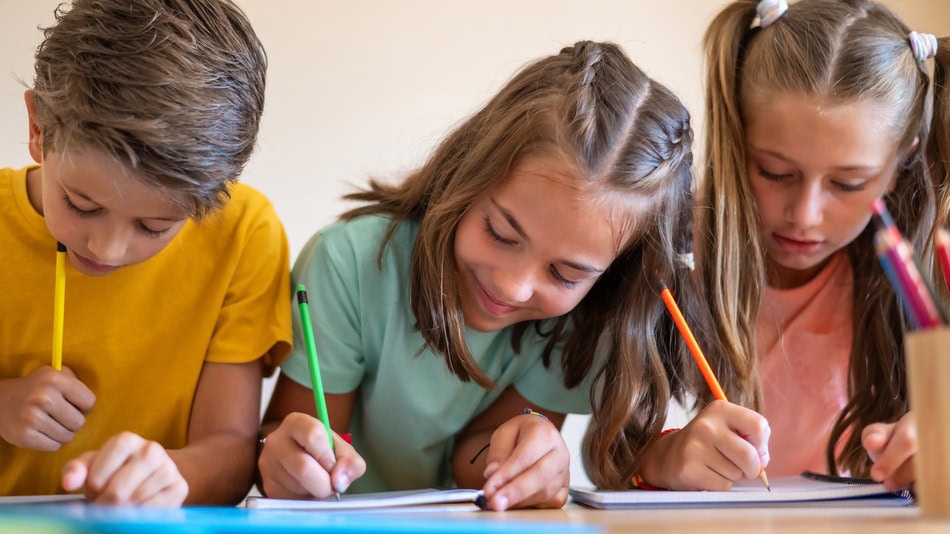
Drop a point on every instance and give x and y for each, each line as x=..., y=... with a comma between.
x=365, y=501
x=808, y=490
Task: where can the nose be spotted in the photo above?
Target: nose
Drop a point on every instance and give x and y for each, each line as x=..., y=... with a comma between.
x=514, y=284
x=806, y=209
x=108, y=244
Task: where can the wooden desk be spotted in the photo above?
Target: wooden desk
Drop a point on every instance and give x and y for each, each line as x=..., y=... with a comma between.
x=812, y=520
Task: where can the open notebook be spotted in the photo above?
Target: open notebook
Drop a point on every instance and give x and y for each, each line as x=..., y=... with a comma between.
x=364, y=501
x=785, y=490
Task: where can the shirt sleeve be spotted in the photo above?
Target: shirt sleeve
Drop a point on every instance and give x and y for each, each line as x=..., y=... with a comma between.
x=329, y=269
x=254, y=319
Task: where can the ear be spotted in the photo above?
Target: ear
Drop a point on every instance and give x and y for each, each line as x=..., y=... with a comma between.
x=903, y=158
x=36, y=135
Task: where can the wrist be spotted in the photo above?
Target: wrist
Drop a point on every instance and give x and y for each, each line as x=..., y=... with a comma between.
x=651, y=465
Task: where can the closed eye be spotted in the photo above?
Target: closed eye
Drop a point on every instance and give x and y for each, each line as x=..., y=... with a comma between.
x=77, y=210
x=490, y=230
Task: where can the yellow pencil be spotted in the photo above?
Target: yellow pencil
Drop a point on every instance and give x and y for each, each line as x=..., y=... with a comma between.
x=59, y=303
x=700, y=358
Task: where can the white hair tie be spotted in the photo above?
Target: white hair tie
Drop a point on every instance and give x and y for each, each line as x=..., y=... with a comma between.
x=770, y=10
x=924, y=45
x=686, y=260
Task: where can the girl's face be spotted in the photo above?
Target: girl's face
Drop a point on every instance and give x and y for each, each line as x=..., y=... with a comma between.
x=532, y=248
x=815, y=168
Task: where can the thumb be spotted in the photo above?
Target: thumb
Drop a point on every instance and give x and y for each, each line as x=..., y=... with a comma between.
x=75, y=471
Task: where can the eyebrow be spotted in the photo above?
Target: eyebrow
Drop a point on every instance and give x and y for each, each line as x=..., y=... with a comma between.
x=517, y=227
x=90, y=199
x=776, y=155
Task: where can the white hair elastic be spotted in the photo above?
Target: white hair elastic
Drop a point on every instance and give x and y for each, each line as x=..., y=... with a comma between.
x=924, y=45
x=770, y=10
x=686, y=260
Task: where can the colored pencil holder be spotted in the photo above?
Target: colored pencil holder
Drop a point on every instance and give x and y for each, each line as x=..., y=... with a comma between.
x=928, y=363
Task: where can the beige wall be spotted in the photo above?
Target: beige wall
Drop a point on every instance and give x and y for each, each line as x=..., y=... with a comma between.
x=359, y=87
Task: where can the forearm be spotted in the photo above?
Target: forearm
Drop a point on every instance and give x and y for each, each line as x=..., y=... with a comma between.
x=219, y=468
x=466, y=473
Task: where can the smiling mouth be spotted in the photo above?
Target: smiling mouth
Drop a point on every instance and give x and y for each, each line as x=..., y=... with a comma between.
x=490, y=304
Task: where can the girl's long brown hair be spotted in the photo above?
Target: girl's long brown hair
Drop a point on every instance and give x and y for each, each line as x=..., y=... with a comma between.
x=840, y=52
x=630, y=138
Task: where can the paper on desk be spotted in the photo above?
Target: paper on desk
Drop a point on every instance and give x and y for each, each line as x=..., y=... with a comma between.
x=357, y=501
x=784, y=490
x=40, y=499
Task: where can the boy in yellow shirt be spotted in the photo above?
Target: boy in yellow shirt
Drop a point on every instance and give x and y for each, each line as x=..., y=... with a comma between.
x=141, y=118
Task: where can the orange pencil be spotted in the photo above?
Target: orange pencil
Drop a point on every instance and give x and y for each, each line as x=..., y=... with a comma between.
x=699, y=357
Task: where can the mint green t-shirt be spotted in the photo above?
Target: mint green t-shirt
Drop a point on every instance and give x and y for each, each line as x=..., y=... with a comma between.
x=409, y=406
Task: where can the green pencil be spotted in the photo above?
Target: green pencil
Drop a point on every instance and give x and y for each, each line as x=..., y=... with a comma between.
x=315, y=379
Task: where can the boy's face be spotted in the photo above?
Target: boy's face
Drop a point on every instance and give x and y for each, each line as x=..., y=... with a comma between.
x=106, y=216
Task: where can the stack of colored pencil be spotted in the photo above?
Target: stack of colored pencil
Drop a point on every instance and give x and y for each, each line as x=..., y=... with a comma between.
x=902, y=267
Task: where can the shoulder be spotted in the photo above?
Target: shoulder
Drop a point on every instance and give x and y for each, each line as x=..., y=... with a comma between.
x=363, y=236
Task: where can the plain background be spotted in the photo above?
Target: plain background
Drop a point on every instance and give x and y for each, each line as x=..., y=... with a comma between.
x=363, y=88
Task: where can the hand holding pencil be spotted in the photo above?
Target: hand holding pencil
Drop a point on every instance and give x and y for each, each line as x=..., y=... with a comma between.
x=304, y=458
x=721, y=445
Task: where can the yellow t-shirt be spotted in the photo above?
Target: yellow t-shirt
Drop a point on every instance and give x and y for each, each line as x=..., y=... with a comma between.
x=138, y=338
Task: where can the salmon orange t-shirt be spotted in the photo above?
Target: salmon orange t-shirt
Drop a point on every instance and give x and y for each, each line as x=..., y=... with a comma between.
x=803, y=338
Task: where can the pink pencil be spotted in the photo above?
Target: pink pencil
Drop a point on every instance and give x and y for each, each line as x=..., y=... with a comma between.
x=943, y=252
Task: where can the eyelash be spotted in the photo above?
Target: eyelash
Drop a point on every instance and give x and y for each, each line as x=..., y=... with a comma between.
x=149, y=233
x=568, y=284
x=75, y=209
x=847, y=188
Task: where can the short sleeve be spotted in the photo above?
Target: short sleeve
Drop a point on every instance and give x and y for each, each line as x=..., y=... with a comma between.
x=254, y=319
x=329, y=268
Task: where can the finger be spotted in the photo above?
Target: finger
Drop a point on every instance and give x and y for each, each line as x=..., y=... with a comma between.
x=163, y=487
x=349, y=465
x=312, y=438
x=538, y=483
x=280, y=483
x=64, y=420
x=171, y=496
x=111, y=457
x=874, y=438
x=76, y=392
x=75, y=471
x=313, y=478
x=139, y=467
x=900, y=448
x=529, y=449
x=46, y=434
x=500, y=447
x=737, y=453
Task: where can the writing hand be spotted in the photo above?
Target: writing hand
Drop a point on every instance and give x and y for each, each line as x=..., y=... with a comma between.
x=297, y=463
x=723, y=444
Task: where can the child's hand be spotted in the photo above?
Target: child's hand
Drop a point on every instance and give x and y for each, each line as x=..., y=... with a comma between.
x=721, y=445
x=528, y=465
x=127, y=470
x=892, y=447
x=297, y=463
x=43, y=409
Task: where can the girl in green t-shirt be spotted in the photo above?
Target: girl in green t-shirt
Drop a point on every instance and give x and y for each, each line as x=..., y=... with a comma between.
x=554, y=213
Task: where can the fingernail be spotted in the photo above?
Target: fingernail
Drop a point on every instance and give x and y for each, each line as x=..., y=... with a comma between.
x=501, y=503
x=342, y=482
